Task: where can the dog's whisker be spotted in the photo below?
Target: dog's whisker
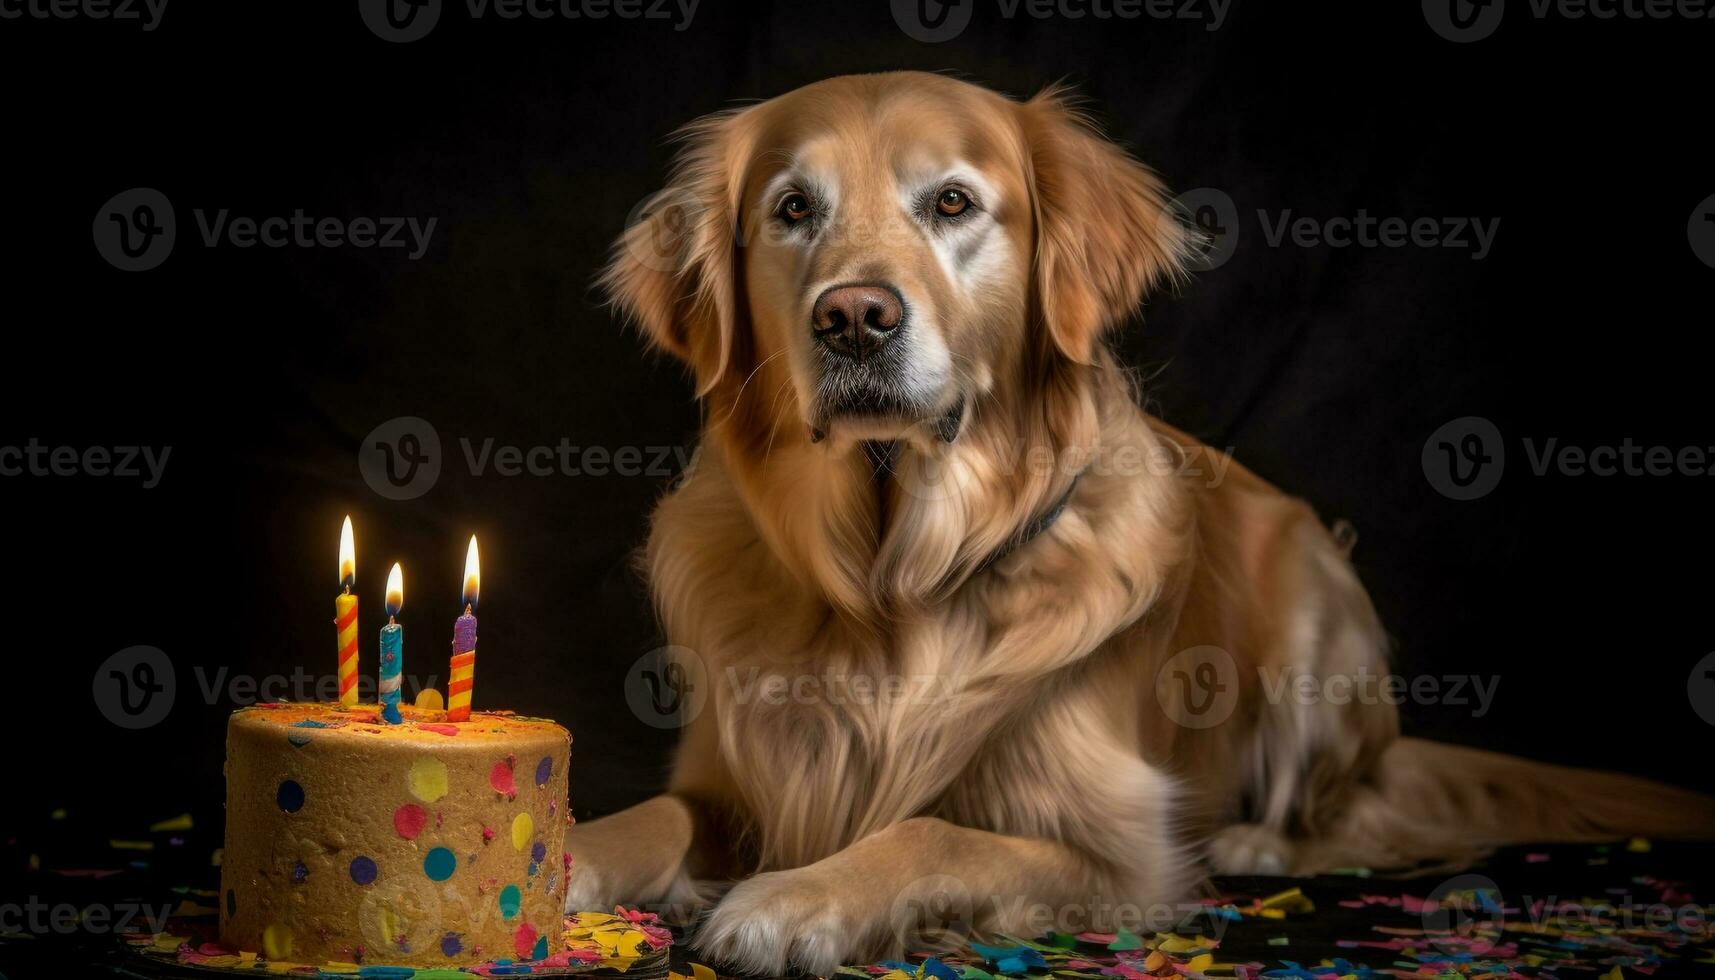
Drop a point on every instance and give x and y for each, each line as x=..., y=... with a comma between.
x=741, y=388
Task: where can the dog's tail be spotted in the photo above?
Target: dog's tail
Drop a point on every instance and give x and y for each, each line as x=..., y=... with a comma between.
x=1436, y=804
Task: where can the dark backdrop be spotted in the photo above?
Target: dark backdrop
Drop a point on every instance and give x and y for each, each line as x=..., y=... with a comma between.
x=1325, y=369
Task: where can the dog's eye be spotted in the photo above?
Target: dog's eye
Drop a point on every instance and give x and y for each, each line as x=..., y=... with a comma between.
x=794, y=208
x=952, y=202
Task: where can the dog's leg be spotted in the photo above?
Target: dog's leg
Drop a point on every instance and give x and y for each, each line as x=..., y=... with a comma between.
x=633, y=857
x=916, y=878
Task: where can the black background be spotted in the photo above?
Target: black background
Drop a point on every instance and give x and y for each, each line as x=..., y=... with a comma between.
x=530, y=141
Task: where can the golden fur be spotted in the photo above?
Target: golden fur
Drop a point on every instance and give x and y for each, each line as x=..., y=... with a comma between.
x=1039, y=775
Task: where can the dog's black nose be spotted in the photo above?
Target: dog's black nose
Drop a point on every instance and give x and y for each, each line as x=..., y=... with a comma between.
x=857, y=320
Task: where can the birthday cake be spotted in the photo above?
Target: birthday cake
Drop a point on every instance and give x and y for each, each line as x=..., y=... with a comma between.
x=425, y=843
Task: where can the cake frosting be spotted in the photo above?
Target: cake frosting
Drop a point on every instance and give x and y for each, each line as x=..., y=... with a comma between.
x=425, y=843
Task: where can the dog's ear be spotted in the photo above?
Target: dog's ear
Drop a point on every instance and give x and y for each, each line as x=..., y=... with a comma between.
x=674, y=270
x=1105, y=227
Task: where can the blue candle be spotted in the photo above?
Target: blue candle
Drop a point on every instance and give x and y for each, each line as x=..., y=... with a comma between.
x=392, y=648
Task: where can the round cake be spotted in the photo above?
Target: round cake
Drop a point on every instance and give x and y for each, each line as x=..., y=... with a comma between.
x=426, y=843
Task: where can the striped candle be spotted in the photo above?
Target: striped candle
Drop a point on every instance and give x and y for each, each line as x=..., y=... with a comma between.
x=392, y=648
x=462, y=676
x=345, y=616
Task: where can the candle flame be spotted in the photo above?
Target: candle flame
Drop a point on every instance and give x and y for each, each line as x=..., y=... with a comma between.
x=347, y=555
x=395, y=590
x=472, y=575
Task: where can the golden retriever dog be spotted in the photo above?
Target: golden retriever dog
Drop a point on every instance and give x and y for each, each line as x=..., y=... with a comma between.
x=960, y=606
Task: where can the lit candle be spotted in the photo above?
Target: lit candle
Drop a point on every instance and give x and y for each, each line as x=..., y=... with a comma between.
x=345, y=616
x=462, y=677
x=392, y=648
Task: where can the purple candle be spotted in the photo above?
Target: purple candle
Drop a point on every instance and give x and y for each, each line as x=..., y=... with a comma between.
x=462, y=677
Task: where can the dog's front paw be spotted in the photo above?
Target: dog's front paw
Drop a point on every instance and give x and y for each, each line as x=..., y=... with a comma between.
x=782, y=919
x=1250, y=849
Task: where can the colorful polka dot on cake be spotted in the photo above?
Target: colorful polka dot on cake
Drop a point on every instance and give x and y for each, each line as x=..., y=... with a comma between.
x=439, y=864
x=428, y=779
x=290, y=796
x=500, y=777
x=363, y=870
x=544, y=770
x=510, y=900
x=524, y=940
x=523, y=828
x=409, y=820
x=452, y=944
x=277, y=942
